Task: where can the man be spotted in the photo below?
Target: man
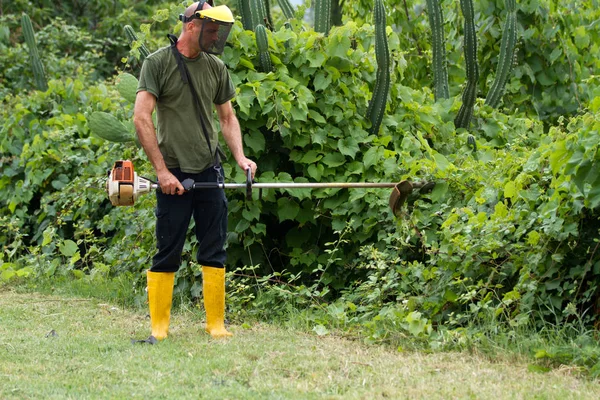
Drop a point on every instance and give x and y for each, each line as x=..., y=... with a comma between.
x=185, y=146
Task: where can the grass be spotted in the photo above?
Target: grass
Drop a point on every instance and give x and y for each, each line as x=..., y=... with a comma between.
x=57, y=346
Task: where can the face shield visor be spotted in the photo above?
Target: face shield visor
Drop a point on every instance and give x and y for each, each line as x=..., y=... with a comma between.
x=216, y=23
x=213, y=35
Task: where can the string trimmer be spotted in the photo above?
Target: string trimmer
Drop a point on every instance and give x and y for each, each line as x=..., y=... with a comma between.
x=124, y=186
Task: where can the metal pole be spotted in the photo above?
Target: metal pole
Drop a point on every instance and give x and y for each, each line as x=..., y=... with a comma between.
x=310, y=185
x=295, y=185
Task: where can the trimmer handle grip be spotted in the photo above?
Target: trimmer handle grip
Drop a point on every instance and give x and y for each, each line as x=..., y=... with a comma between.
x=248, y=184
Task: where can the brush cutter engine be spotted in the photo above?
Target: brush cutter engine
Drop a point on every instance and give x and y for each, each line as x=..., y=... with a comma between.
x=124, y=186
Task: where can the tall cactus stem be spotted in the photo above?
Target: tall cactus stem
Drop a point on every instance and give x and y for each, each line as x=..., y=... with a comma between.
x=440, y=71
x=262, y=43
x=463, y=119
x=507, y=51
x=258, y=13
x=132, y=38
x=378, y=102
x=268, y=18
x=323, y=16
x=286, y=8
x=244, y=11
x=36, y=64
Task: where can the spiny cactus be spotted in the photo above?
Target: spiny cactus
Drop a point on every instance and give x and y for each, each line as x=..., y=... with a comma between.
x=382, y=83
x=269, y=19
x=322, y=16
x=507, y=52
x=254, y=13
x=132, y=37
x=262, y=42
x=286, y=8
x=440, y=71
x=127, y=86
x=465, y=113
x=38, y=68
x=244, y=11
x=108, y=127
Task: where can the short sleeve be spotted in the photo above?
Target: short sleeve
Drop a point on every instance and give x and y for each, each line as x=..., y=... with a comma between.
x=226, y=90
x=149, y=78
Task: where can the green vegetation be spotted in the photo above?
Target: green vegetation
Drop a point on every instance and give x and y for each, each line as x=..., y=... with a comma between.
x=505, y=246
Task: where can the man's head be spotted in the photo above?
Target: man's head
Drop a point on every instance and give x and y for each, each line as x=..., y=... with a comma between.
x=211, y=24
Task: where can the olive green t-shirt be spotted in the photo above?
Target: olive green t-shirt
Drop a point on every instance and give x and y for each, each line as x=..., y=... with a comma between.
x=179, y=131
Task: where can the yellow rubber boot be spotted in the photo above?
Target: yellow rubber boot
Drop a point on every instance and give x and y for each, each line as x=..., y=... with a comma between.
x=160, y=298
x=213, y=287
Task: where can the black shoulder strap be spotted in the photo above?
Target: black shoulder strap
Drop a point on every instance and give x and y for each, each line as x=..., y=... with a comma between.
x=187, y=79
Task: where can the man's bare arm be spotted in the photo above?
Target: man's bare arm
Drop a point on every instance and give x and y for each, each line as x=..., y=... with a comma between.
x=146, y=132
x=233, y=136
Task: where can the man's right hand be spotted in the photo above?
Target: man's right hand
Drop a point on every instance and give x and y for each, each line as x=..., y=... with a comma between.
x=169, y=184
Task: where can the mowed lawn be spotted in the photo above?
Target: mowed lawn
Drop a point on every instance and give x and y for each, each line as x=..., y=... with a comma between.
x=63, y=347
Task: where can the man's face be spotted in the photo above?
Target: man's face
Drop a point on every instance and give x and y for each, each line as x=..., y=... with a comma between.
x=213, y=37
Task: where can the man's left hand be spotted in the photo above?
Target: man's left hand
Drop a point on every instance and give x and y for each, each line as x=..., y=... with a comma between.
x=246, y=163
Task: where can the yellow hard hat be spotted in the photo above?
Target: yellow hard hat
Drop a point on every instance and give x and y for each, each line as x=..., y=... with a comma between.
x=217, y=14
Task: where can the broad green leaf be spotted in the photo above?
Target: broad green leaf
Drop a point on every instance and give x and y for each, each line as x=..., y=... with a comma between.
x=287, y=209
x=594, y=194
x=255, y=140
x=558, y=156
x=245, y=98
x=284, y=177
x=582, y=39
x=441, y=161
x=251, y=212
x=348, y=146
x=439, y=191
x=585, y=173
x=316, y=59
x=372, y=156
x=7, y=274
x=316, y=116
x=334, y=160
x=68, y=248
x=338, y=46
x=48, y=236
x=322, y=81
x=315, y=171
x=242, y=225
x=298, y=113
x=259, y=229
x=311, y=157
x=510, y=190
